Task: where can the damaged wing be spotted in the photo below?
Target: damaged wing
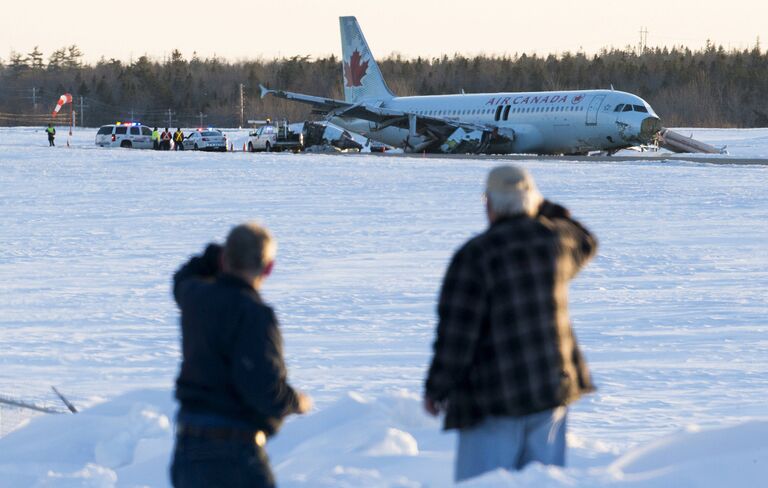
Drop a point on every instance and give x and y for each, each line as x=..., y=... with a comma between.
x=429, y=133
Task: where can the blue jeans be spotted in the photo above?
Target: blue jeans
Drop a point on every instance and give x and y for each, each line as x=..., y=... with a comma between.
x=207, y=463
x=511, y=443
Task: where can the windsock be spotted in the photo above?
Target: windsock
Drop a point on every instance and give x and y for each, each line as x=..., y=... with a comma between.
x=64, y=99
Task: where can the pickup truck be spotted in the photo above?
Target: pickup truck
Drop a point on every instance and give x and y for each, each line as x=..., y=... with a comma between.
x=275, y=137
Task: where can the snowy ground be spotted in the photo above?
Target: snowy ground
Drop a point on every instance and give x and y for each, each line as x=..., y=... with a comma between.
x=672, y=315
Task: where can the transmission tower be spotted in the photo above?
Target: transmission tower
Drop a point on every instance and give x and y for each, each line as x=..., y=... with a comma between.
x=643, y=39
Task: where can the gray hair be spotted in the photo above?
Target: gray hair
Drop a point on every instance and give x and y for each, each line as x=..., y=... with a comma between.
x=510, y=190
x=249, y=247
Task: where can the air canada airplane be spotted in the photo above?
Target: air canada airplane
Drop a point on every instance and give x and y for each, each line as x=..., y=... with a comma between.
x=553, y=122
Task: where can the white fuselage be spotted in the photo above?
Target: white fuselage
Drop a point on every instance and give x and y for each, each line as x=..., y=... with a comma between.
x=557, y=122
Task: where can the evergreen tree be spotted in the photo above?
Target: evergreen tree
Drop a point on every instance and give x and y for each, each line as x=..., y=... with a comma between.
x=709, y=87
x=57, y=59
x=35, y=59
x=73, y=57
x=18, y=63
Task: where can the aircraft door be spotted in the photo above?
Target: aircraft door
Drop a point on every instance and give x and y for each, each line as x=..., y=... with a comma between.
x=594, y=107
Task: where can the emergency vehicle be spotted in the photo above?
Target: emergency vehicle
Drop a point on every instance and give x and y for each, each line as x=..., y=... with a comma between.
x=206, y=140
x=125, y=134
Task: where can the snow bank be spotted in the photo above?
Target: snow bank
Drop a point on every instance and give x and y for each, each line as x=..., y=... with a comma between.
x=122, y=442
x=356, y=442
x=671, y=314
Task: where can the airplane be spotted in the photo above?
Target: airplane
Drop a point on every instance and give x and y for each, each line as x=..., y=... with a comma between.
x=549, y=122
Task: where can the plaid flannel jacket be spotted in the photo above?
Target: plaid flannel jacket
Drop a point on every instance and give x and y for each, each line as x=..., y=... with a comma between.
x=504, y=342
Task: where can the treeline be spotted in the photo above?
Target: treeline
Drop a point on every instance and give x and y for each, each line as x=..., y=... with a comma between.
x=710, y=87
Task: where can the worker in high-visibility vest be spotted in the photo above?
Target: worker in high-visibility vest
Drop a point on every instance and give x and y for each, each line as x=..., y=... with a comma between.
x=165, y=140
x=155, y=139
x=178, y=140
x=51, y=131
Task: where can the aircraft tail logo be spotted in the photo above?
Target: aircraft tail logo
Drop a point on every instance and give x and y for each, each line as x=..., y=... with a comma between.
x=354, y=70
x=362, y=76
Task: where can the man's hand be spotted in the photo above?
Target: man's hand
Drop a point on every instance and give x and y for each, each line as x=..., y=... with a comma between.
x=553, y=210
x=432, y=407
x=305, y=403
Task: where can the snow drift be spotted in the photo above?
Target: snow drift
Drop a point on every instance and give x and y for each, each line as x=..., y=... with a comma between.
x=671, y=315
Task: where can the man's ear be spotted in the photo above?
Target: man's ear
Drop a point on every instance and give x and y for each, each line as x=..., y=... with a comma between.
x=489, y=211
x=268, y=269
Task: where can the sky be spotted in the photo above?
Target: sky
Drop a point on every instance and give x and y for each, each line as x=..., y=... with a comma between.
x=240, y=29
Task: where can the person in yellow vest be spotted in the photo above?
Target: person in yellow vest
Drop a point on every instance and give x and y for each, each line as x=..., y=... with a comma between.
x=155, y=139
x=178, y=140
x=51, y=131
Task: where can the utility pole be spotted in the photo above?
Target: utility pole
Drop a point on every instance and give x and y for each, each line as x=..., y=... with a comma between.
x=34, y=98
x=242, y=106
x=169, y=119
x=201, y=119
x=82, y=113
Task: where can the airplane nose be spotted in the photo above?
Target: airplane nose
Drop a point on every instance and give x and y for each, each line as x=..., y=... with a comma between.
x=649, y=128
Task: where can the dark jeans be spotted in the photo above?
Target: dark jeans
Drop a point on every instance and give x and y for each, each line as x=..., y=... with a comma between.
x=50, y=141
x=179, y=146
x=208, y=463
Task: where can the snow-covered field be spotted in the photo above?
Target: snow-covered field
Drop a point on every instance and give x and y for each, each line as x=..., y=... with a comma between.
x=672, y=315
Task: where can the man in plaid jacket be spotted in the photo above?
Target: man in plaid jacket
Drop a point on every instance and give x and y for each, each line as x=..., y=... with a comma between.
x=506, y=362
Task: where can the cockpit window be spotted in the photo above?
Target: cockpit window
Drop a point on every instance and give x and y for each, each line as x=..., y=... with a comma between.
x=640, y=108
x=627, y=108
x=619, y=107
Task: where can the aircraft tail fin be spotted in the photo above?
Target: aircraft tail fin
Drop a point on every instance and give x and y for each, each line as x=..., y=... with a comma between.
x=362, y=76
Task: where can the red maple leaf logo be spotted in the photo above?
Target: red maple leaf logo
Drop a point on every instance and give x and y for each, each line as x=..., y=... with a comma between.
x=355, y=70
x=577, y=99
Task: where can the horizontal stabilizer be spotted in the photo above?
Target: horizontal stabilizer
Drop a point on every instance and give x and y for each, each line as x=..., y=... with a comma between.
x=320, y=103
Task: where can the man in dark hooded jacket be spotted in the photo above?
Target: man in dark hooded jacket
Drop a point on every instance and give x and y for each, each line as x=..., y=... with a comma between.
x=232, y=386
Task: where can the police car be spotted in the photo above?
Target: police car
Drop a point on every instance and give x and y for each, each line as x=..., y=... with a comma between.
x=206, y=140
x=125, y=134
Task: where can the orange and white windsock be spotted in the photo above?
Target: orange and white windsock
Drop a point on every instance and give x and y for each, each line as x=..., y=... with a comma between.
x=64, y=99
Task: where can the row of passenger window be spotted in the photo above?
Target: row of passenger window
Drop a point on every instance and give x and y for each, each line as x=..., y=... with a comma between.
x=629, y=108
x=455, y=112
x=502, y=111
